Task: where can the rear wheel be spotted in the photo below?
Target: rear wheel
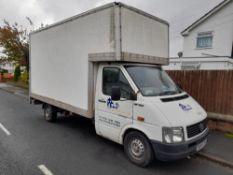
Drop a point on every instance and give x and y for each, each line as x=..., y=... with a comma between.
x=50, y=113
x=138, y=148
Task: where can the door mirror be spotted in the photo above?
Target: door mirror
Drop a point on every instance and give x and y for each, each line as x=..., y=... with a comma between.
x=116, y=93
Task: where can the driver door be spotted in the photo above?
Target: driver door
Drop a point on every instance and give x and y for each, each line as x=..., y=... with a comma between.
x=111, y=115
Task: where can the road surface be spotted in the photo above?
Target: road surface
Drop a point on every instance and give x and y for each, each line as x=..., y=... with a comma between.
x=30, y=146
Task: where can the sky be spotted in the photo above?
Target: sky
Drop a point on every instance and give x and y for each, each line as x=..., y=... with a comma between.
x=179, y=13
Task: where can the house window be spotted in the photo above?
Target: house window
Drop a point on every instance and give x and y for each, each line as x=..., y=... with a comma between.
x=205, y=40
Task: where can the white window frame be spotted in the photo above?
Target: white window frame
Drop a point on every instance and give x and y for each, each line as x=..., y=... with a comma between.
x=203, y=35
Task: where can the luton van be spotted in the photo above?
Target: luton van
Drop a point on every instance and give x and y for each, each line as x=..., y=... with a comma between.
x=106, y=65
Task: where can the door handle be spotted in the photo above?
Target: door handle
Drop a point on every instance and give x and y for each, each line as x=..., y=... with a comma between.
x=102, y=101
x=139, y=104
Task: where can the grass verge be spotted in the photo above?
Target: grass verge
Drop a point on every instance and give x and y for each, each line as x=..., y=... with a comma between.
x=18, y=84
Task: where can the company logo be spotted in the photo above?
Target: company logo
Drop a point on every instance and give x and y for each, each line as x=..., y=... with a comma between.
x=201, y=127
x=185, y=107
x=111, y=104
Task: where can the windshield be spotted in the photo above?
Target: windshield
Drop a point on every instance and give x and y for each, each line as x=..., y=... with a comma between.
x=152, y=81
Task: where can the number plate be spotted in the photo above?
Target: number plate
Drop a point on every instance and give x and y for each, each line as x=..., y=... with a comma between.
x=201, y=145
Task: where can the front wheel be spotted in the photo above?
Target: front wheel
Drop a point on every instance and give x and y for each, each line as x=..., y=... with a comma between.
x=50, y=113
x=138, y=149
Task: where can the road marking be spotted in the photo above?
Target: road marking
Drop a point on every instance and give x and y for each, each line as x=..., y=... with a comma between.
x=5, y=130
x=45, y=170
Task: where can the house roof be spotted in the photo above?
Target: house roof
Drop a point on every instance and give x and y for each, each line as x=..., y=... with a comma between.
x=186, y=31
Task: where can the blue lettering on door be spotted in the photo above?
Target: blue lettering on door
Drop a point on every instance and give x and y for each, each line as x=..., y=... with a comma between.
x=111, y=104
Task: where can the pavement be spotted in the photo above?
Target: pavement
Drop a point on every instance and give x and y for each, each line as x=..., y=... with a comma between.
x=30, y=145
x=219, y=148
x=15, y=90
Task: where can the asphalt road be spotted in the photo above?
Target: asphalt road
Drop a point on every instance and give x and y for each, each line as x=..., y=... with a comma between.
x=71, y=147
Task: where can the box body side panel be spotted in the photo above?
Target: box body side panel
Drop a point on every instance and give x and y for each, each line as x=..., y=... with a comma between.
x=143, y=35
x=59, y=58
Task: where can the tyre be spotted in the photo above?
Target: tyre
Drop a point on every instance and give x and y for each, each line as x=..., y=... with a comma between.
x=138, y=149
x=50, y=113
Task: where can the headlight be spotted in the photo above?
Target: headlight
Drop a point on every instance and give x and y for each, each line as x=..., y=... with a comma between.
x=173, y=135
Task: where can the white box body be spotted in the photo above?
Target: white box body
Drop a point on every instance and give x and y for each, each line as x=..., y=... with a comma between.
x=61, y=72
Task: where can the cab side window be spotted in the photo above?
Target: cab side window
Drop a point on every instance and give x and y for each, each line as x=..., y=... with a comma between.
x=112, y=76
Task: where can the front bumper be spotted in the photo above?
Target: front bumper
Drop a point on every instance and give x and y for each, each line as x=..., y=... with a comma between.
x=170, y=152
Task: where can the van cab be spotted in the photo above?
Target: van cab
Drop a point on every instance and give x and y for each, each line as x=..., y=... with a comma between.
x=139, y=106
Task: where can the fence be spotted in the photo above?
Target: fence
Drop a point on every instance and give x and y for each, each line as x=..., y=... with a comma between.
x=212, y=89
x=5, y=76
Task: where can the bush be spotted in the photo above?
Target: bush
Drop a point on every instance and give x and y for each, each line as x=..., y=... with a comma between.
x=4, y=71
x=25, y=76
x=17, y=73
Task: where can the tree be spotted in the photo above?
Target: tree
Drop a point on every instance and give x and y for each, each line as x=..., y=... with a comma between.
x=14, y=40
x=17, y=73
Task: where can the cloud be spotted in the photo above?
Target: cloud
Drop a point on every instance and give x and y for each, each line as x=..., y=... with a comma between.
x=179, y=13
x=17, y=11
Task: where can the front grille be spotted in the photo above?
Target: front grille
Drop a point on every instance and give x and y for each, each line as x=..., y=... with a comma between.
x=196, y=129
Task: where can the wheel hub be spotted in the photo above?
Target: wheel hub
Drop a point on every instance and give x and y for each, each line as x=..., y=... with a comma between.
x=137, y=148
x=48, y=113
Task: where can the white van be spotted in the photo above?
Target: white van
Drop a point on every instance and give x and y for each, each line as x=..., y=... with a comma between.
x=106, y=65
